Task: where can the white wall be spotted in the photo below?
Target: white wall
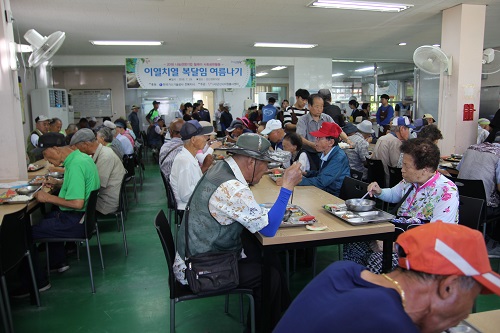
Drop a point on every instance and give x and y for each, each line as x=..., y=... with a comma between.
x=113, y=79
x=12, y=142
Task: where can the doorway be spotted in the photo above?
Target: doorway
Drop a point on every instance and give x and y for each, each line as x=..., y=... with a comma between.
x=208, y=100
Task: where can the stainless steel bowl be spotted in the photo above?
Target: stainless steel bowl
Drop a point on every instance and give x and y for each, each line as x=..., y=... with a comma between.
x=457, y=156
x=58, y=175
x=360, y=205
x=273, y=165
x=27, y=190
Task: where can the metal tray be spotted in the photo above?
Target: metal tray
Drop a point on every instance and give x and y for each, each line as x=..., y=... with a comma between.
x=10, y=201
x=38, y=180
x=36, y=167
x=357, y=218
x=273, y=177
x=293, y=220
x=464, y=326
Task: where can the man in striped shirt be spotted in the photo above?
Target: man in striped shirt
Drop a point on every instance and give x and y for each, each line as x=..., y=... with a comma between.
x=294, y=112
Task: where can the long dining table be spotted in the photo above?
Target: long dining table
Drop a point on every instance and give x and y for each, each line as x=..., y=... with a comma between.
x=312, y=200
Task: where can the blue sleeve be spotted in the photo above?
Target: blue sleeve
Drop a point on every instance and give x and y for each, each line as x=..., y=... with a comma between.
x=378, y=116
x=390, y=114
x=276, y=213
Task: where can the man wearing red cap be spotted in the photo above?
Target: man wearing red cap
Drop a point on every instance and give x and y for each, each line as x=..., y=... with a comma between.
x=334, y=166
x=442, y=268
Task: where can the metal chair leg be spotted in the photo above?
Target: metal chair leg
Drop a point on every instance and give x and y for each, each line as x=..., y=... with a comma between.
x=98, y=244
x=8, y=312
x=48, y=260
x=252, y=313
x=226, y=304
x=5, y=320
x=124, y=235
x=92, y=287
x=172, y=316
x=33, y=278
x=241, y=308
x=135, y=191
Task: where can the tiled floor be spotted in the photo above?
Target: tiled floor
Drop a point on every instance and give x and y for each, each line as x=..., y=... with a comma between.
x=132, y=292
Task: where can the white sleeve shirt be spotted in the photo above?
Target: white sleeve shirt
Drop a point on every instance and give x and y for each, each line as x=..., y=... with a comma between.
x=184, y=176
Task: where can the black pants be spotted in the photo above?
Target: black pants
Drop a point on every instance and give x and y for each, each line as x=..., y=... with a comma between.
x=250, y=271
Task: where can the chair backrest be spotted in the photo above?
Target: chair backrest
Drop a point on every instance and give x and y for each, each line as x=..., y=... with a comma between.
x=395, y=176
x=356, y=174
x=90, y=215
x=13, y=241
x=352, y=188
x=470, y=212
x=171, y=202
x=167, y=242
x=473, y=188
x=129, y=164
x=144, y=137
x=123, y=188
x=376, y=172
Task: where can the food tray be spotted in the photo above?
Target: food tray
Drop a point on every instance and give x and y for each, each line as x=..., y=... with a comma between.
x=357, y=218
x=38, y=180
x=273, y=177
x=296, y=213
x=464, y=326
x=13, y=200
x=451, y=159
x=35, y=167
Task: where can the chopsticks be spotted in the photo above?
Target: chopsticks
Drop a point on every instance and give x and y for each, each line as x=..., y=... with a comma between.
x=38, y=189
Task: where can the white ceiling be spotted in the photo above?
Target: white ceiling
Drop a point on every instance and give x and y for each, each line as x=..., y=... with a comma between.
x=230, y=27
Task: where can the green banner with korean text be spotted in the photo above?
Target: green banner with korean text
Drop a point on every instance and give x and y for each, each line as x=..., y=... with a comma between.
x=189, y=73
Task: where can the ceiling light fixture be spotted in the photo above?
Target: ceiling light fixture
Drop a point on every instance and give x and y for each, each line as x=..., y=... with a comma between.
x=360, y=5
x=436, y=45
x=343, y=60
x=125, y=43
x=365, y=69
x=402, y=44
x=337, y=74
x=278, y=68
x=261, y=74
x=286, y=45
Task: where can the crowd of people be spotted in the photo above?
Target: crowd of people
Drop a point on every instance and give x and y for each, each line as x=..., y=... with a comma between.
x=315, y=145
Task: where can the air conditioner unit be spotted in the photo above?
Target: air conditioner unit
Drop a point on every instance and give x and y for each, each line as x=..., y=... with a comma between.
x=52, y=103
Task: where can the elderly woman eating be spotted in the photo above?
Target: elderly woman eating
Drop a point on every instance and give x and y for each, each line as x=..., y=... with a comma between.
x=424, y=195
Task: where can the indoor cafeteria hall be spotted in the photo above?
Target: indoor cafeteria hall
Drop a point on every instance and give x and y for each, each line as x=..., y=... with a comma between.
x=250, y=166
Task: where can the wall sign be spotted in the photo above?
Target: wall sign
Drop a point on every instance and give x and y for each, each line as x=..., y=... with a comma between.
x=189, y=73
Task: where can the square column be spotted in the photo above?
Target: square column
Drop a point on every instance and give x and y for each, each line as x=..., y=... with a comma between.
x=462, y=39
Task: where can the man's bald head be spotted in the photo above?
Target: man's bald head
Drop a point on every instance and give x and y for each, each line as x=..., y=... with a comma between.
x=175, y=127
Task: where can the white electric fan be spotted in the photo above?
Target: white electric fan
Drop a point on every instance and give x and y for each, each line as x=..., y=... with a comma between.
x=432, y=60
x=43, y=47
x=491, y=61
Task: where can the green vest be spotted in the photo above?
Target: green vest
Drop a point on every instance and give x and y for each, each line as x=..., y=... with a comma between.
x=30, y=147
x=205, y=233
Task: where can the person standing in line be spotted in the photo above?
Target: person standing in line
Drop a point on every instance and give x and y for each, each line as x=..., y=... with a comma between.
x=269, y=111
x=153, y=113
x=384, y=114
x=134, y=121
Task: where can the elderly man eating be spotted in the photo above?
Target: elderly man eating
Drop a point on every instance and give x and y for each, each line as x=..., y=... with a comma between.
x=109, y=166
x=441, y=270
x=222, y=207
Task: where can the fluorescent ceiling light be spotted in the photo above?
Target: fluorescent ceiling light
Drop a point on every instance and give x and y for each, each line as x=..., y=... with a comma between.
x=342, y=60
x=278, y=68
x=125, y=43
x=365, y=69
x=337, y=74
x=361, y=5
x=402, y=44
x=436, y=45
x=261, y=74
x=286, y=45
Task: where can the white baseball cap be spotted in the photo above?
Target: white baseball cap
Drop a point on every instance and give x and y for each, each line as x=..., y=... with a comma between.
x=271, y=125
